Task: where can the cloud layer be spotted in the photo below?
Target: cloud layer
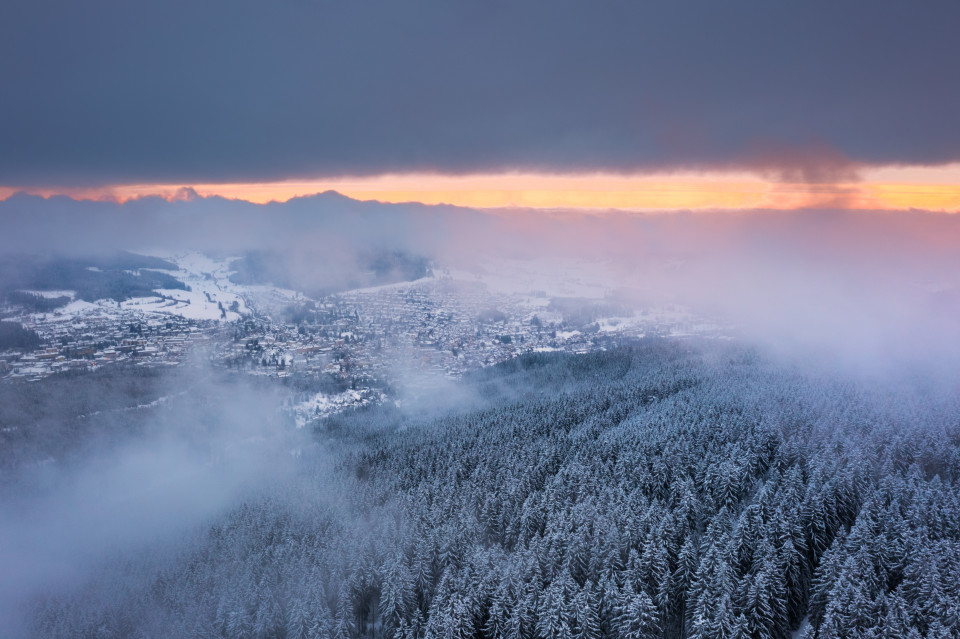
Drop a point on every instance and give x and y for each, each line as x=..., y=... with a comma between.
x=880, y=288
x=111, y=92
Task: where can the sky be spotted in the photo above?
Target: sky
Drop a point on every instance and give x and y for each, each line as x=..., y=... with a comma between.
x=883, y=189
x=570, y=104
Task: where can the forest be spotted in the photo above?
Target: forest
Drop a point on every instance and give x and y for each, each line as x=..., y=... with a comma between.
x=118, y=276
x=14, y=336
x=663, y=488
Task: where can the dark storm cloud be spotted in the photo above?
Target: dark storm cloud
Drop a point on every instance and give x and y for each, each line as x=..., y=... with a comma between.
x=220, y=91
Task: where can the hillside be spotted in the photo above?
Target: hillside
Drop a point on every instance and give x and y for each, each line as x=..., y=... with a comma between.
x=668, y=489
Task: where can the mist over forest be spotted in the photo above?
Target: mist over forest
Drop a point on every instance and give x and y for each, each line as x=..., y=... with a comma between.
x=795, y=473
x=663, y=488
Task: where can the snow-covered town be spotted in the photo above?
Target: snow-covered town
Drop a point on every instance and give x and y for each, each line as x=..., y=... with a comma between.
x=447, y=324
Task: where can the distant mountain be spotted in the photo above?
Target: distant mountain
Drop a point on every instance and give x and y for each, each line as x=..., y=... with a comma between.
x=326, y=220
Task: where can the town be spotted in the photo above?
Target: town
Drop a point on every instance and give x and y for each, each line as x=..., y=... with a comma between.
x=436, y=325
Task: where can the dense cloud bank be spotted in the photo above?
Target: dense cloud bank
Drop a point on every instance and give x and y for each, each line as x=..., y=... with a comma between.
x=878, y=289
x=664, y=490
x=670, y=489
x=181, y=92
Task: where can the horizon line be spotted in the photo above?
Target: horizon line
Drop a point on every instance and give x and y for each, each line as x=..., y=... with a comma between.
x=886, y=188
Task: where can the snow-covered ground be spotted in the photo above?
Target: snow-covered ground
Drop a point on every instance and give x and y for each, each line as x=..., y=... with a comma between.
x=396, y=286
x=535, y=283
x=530, y=283
x=51, y=294
x=210, y=289
x=322, y=404
x=547, y=277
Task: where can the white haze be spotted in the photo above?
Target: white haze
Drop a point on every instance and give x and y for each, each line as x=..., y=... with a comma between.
x=878, y=290
x=878, y=293
x=201, y=454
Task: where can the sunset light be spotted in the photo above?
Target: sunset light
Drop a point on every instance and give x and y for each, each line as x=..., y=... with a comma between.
x=884, y=188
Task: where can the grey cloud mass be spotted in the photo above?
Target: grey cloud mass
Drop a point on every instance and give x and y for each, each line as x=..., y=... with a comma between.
x=105, y=92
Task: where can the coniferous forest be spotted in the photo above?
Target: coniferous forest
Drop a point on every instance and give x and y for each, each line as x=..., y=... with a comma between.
x=660, y=489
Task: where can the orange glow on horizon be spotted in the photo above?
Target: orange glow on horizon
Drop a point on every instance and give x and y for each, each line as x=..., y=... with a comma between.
x=885, y=188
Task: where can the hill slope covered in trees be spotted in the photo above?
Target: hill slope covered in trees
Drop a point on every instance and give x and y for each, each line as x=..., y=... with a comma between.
x=665, y=489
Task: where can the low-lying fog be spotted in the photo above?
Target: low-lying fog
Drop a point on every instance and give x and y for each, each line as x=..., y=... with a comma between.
x=875, y=292
x=879, y=289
